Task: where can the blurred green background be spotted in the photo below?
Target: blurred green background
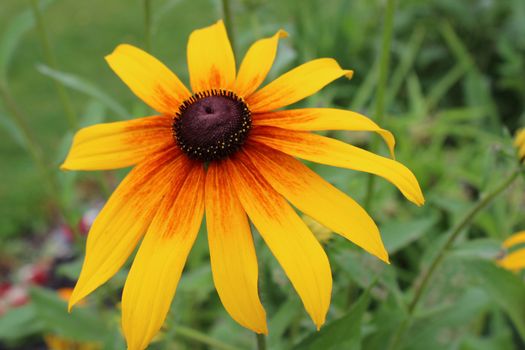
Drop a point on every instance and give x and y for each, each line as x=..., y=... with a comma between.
x=454, y=97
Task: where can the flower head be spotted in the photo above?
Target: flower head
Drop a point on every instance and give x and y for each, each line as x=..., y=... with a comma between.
x=224, y=149
x=515, y=259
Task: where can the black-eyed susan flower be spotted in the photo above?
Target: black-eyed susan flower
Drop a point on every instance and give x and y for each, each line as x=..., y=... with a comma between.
x=519, y=142
x=224, y=149
x=514, y=259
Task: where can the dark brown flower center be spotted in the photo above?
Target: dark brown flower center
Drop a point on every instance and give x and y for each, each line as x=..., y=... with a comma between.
x=212, y=125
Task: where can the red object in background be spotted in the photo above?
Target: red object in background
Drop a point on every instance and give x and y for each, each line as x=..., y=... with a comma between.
x=13, y=296
x=34, y=274
x=87, y=220
x=4, y=287
x=66, y=232
x=17, y=296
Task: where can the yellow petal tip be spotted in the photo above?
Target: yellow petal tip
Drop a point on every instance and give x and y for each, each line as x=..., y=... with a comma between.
x=263, y=330
x=116, y=50
x=349, y=74
x=282, y=33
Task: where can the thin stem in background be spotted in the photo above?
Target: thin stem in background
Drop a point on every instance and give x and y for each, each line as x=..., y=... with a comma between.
x=147, y=24
x=227, y=14
x=458, y=228
x=37, y=153
x=384, y=66
x=261, y=341
x=32, y=147
x=52, y=62
x=193, y=334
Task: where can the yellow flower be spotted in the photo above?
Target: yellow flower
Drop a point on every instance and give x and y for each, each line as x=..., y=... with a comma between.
x=223, y=149
x=519, y=142
x=515, y=260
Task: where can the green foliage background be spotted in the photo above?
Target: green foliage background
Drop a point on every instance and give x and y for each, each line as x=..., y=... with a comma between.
x=454, y=97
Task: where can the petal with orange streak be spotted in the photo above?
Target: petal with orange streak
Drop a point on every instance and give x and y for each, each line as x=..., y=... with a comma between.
x=291, y=242
x=210, y=59
x=333, y=152
x=232, y=253
x=296, y=84
x=125, y=217
x=256, y=64
x=317, y=198
x=323, y=119
x=119, y=144
x=148, y=78
x=156, y=270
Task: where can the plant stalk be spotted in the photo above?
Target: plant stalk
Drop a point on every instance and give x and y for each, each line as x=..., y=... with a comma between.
x=261, y=341
x=32, y=147
x=202, y=338
x=227, y=14
x=458, y=228
x=147, y=24
x=52, y=62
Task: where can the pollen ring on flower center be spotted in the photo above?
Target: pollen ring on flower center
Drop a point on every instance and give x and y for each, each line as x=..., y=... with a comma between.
x=212, y=125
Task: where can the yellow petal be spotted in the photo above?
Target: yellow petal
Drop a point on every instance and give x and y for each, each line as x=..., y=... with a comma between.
x=120, y=144
x=317, y=198
x=291, y=242
x=148, y=78
x=156, y=270
x=210, y=59
x=517, y=238
x=514, y=261
x=232, y=254
x=521, y=152
x=520, y=138
x=256, y=64
x=332, y=152
x=296, y=84
x=124, y=219
x=323, y=119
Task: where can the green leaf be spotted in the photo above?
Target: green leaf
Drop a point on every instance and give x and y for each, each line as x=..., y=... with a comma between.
x=455, y=315
x=197, y=282
x=281, y=320
x=399, y=234
x=344, y=333
x=81, y=324
x=80, y=84
x=19, y=323
x=483, y=248
x=505, y=288
x=12, y=130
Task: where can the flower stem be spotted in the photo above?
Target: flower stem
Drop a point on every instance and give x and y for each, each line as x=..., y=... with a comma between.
x=52, y=62
x=32, y=147
x=227, y=14
x=261, y=341
x=454, y=233
x=384, y=66
x=147, y=24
